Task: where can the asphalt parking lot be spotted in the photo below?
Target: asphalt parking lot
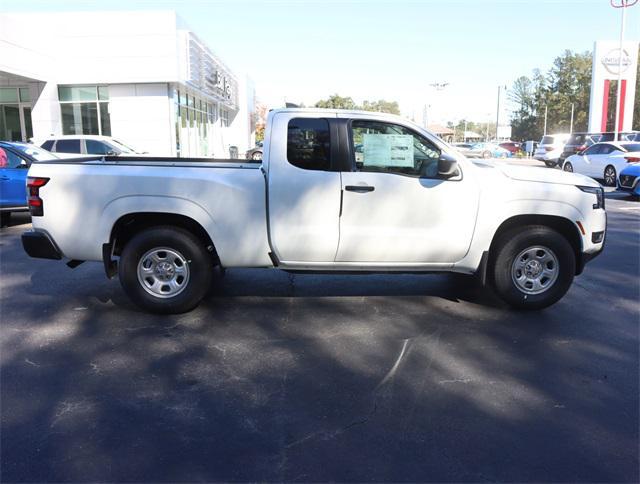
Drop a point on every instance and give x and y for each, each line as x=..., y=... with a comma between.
x=316, y=378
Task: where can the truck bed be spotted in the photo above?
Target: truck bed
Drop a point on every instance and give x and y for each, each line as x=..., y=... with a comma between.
x=85, y=197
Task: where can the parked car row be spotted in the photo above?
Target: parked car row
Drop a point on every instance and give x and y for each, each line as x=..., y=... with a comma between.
x=554, y=149
x=483, y=150
x=604, y=161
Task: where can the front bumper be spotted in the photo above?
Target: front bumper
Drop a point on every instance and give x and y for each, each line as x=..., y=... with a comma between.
x=40, y=245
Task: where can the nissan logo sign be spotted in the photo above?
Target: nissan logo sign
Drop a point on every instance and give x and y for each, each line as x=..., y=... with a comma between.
x=611, y=61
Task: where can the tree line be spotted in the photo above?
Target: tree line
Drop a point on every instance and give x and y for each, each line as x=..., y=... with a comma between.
x=566, y=83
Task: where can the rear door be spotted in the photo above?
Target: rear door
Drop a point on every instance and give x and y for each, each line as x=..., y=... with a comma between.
x=13, y=176
x=396, y=209
x=303, y=187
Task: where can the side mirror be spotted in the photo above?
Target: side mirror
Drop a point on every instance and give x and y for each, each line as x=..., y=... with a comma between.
x=447, y=166
x=111, y=153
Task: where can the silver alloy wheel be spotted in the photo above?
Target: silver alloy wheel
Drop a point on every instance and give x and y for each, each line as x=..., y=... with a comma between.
x=256, y=155
x=610, y=176
x=535, y=270
x=163, y=272
x=568, y=167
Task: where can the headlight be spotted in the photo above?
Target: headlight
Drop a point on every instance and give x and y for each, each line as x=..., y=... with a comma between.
x=598, y=192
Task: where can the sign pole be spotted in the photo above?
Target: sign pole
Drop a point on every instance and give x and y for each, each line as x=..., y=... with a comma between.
x=618, y=96
x=571, y=126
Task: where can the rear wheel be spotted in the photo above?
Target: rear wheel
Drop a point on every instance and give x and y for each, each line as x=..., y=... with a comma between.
x=568, y=167
x=256, y=156
x=532, y=267
x=165, y=270
x=486, y=154
x=610, y=176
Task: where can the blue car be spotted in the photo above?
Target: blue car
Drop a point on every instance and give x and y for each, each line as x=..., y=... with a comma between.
x=629, y=179
x=15, y=160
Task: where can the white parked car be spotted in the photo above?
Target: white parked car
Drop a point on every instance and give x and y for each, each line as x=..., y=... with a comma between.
x=342, y=191
x=88, y=145
x=550, y=148
x=603, y=161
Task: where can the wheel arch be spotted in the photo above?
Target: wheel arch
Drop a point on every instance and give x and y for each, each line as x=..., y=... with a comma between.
x=562, y=225
x=130, y=224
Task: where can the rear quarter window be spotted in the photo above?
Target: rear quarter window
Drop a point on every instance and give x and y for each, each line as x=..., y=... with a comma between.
x=47, y=145
x=308, y=143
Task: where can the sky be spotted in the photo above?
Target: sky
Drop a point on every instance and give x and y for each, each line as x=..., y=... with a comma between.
x=301, y=51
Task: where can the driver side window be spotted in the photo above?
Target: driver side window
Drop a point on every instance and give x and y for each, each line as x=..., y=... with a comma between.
x=391, y=148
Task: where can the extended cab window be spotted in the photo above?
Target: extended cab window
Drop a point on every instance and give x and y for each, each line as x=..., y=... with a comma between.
x=308, y=143
x=391, y=148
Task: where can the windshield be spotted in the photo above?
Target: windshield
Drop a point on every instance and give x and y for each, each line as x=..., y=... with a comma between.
x=547, y=140
x=35, y=152
x=124, y=148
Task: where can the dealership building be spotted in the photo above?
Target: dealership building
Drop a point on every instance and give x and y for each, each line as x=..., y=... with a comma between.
x=142, y=77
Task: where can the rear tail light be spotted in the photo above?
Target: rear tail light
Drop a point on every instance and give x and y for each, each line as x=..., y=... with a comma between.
x=581, y=148
x=632, y=159
x=36, y=207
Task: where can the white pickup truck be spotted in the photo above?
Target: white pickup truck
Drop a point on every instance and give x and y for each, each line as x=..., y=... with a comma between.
x=336, y=191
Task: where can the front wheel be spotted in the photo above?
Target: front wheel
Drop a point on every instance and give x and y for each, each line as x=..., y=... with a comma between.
x=5, y=218
x=533, y=267
x=165, y=270
x=610, y=176
x=486, y=154
x=257, y=156
x=568, y=167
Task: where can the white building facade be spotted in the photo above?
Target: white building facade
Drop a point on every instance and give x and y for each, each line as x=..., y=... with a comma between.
x=142, y=77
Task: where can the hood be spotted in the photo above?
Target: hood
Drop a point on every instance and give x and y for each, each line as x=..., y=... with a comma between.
x=542, y=174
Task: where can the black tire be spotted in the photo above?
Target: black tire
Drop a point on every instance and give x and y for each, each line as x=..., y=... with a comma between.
x=568, y=167
x=514, y=242
x=256, y=156
x=5, y=218
x=486, y=154
x=609, y=176
x=198, y=261
x=550, y=164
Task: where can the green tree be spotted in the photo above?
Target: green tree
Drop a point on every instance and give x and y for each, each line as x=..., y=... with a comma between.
x=567, y=83
x=336, y=102
x=381, y=106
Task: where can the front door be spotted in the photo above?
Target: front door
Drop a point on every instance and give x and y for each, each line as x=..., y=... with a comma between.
x=304, y=189
x=396, y=209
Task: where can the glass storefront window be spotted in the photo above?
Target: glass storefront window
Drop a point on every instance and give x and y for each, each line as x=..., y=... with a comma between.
x=78, y=93
x=85, y=110
x=8, y=95
x=105, y=119
x=25, y=95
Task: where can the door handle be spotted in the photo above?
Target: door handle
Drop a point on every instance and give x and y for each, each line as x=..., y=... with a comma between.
x=4, y=178
x=359, y=188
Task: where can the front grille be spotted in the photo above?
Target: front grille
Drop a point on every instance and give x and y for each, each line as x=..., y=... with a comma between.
x=627, y=181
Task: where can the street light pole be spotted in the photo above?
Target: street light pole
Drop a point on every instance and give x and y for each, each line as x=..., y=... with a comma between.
x=616, y=126
x=545, y=120
x=498, y=113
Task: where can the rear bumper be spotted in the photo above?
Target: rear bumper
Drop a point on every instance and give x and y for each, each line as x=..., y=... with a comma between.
x=40, y=245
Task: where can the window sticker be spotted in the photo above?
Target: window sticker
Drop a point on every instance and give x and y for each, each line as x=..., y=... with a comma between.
x=395, y=150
